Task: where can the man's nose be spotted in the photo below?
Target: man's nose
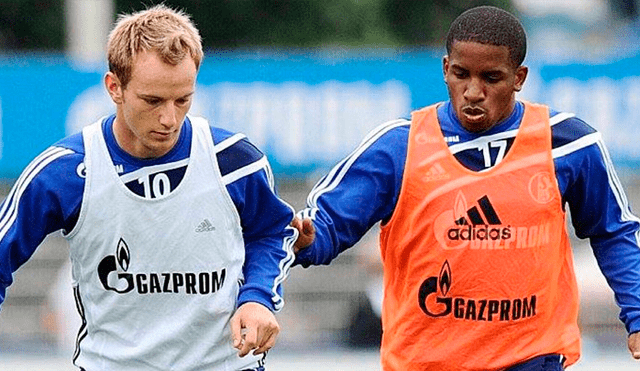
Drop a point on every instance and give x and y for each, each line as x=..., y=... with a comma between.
x=474, y=91
x=168, y=115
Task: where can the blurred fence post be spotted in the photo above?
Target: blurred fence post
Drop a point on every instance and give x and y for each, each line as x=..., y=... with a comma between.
x=87, y=25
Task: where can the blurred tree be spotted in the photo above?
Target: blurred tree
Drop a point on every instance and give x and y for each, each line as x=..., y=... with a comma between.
x=39, y=24
x=31, y=24
x=420, y=22
x=233, y=23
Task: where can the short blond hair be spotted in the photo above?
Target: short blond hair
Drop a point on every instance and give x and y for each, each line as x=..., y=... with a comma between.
x=170, y=33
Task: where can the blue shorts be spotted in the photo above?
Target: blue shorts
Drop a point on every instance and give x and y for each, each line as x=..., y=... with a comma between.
x=549, y=362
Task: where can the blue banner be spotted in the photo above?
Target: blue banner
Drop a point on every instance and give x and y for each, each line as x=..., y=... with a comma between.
x=305, y=111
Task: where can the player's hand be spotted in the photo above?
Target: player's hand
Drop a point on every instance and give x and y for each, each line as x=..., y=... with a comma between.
x=634, y=344
x=253, y=327
x=306, y=233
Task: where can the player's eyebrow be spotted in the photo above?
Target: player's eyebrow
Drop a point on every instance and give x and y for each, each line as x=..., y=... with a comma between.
x=457, y=67
x=151, y=96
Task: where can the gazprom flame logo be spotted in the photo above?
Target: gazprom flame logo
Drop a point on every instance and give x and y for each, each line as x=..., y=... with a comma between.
x=120, y=264
x=123, y=254
x=430, y=286
x=445, y=278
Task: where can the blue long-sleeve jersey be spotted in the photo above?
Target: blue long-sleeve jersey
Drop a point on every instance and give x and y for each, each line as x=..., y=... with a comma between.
x=48, y=195
x=363, y=190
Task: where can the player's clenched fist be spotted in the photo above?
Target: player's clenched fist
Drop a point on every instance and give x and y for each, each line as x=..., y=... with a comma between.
x=253, y=327
x=306, y=233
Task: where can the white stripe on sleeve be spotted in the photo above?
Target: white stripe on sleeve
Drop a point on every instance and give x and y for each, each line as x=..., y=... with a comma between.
x=219, y=147
x=261, y=164
x=284, y=265
x=9, y=210
x=333, y=178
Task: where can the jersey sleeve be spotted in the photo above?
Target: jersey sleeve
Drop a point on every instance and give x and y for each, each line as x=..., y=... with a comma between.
x=45, y=199
x=360, y=191
x=264, y=218
x=600, y=212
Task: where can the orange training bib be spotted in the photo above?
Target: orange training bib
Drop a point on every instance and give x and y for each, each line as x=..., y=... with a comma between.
x=478, y=266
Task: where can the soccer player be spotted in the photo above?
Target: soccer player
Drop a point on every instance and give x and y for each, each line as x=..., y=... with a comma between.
x=472, y=194
x=178, y=242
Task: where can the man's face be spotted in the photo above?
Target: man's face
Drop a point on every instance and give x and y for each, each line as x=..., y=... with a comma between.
x=482, y=83
x=153, y=105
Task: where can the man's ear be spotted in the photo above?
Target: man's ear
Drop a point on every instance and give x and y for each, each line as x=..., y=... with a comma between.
x=445, y=65
x=521, y=76
x=114, y=87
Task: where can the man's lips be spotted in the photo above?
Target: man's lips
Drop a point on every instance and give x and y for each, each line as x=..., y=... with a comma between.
x=473, y=113
x=161, y=134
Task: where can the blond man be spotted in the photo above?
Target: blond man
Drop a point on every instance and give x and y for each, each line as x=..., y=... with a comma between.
x=178, y=242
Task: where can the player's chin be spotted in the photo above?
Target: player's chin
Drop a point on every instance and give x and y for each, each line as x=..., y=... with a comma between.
x=477, y=123
x=160, y=147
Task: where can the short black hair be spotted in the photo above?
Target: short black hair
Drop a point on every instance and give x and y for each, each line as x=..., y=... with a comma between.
x=492, y=26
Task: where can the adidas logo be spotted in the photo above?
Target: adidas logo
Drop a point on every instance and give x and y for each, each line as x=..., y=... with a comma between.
x=205, y=226
x=436, y=172
x=476, y=224
x=476, y=217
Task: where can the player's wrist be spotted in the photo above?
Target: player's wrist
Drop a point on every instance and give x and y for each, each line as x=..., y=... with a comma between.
x=256, y=296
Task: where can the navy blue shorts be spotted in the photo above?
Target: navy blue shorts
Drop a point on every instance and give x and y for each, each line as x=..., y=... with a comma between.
x=550, y=362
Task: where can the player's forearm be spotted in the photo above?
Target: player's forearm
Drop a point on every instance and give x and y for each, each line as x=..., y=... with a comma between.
x=267, y=264
x=29, y=218
x=15, y=249
x=342, y=216
x=357, y=193
x=619, y=260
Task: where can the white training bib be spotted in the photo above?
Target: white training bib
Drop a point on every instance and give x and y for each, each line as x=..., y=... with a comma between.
x=157, y=280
